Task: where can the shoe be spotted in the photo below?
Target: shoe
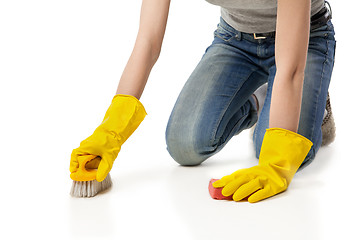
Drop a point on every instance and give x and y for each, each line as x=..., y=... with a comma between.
x=260, y=95
x=328, y=125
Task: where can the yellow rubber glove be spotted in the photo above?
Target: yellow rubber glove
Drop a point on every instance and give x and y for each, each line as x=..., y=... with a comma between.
x=121, y=119
x=282, y=153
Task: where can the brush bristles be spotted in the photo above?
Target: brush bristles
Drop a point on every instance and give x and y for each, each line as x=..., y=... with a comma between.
x=89, y=188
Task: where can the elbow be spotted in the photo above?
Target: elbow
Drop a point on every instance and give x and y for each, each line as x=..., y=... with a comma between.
x=298, y=74
x=156, y=49
x=299, y=71
x=150, y=48
x=293, y=74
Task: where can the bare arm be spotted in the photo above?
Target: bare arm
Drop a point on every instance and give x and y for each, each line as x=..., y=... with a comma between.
x=291, y=46
x=153, y=19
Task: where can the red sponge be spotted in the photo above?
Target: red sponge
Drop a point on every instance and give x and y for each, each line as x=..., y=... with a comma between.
x=215, y=193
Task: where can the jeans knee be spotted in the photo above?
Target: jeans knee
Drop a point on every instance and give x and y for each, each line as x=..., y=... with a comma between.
x=183, y=151
x=185, y=147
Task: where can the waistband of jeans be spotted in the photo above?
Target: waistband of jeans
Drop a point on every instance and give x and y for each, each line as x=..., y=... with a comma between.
x=317, y=20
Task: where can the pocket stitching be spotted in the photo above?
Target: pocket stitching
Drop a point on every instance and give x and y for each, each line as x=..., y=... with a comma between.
x=220, y=28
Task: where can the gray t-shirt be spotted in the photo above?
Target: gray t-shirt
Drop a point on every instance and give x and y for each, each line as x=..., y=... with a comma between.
x=254, y=16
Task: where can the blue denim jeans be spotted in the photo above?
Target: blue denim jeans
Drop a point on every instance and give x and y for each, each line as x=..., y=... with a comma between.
x=215, y=103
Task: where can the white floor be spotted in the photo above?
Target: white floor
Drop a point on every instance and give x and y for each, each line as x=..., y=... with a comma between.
x=60, y=65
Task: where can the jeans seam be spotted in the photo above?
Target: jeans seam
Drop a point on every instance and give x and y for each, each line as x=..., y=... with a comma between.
x=321, y=80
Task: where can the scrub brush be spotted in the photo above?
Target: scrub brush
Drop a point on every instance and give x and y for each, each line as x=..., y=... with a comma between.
x=85, y=183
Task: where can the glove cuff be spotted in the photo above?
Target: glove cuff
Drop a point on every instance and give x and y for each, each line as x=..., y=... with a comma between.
x=283, y=131
x=129, y=98
x=284, y=151
x=123, y=116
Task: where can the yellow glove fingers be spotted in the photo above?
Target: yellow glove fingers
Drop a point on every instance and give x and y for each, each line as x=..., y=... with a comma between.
x=247, y=189
x=232, y=186
x=260, y=195
x=93, y=164
x=103, y=169
x=74, y=163
x=228, y=178
x=83, y=173
x=223, y=181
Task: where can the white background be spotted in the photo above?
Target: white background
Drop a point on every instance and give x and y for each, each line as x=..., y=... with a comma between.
x=60, y=63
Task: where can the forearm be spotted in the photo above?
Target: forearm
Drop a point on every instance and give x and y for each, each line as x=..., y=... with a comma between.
x=137, y=69
x=286, y=101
